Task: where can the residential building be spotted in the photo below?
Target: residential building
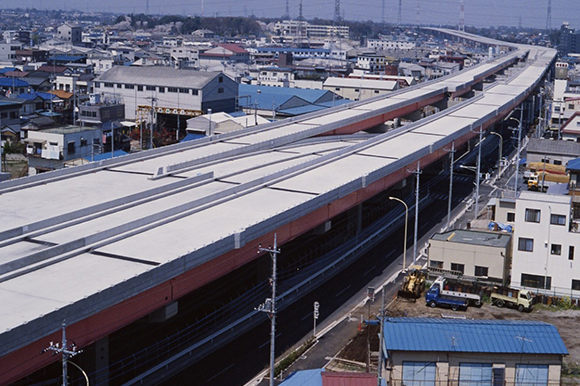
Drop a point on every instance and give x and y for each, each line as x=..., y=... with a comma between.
x=431, y=352
x=274, y=76
x=10, y=119
x=480, y=254
x=70, y=33
x=9, y=50
x=546, y=244
x=95, y=112
x=569, y=41
x=571, y=129
x=552, y=151
x=168, y=89
x=185, y=57
x=50, y=149
x=371, y=62
x=232, y=53
x=359, y=89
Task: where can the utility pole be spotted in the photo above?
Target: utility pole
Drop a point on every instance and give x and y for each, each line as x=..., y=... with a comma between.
x=478, y=172
x=269, y=306
x=518, y=153
x=153, y=100
x=417, y=172
x=381, y=321
x=315, y=315
x=66, y=351
x=452, y=153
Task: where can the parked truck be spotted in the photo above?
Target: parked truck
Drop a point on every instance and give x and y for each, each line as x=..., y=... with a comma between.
x=520, y=299
x=435, y=298
x=541, y=181
x=459, y=289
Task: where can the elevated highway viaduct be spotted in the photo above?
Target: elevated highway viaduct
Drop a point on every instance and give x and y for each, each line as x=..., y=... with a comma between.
x=104, y=244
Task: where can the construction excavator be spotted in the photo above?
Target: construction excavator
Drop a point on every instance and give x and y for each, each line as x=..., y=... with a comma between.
x=414, y=283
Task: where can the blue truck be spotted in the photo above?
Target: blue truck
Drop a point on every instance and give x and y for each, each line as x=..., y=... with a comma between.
x=434, y=298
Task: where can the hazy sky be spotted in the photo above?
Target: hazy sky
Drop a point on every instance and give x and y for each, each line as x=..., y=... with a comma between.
x=480, y=13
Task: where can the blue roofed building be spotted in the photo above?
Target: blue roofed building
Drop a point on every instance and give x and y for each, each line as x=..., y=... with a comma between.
x=283, y=102
x=430, y=352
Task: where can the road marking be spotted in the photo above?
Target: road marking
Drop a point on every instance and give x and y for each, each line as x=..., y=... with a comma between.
x=220, y=373
x=345, y=288
x=367, y=272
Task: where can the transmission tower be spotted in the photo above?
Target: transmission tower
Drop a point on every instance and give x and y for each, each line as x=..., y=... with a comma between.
x=287, y=15
x=300, y=15
x=549, y=16
x=400, y=15
x=383, y=16
x=147, y=8
x=336, y=11
x=417, y=20
x=462, y=16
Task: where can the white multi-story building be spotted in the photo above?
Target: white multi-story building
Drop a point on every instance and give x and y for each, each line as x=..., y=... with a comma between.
x=8, y=51
x=389, y=45
x=546, y=245
x=305, y=29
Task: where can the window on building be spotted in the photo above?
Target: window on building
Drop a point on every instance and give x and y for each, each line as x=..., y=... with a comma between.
x=183, y=91
x=150, y=88
x=481, y=271
x=557, y=162
x=194, y=91
x=435, y=264
x=109, y=84
x=511, y=217
x=531, y=375
x=129, y=86
x=532, y=215
x=525, y=244
x=70, y=148
x=571, y=106
x=221, y=79
x=84, y=142
x=172, y=89
x=97, y=85
x=377, y=91
x=419, y=373
x=337, y=89
x=475, y=374
x=571, y=252
x=536, y=281
x=556, y=249
x=458, y=267
x=161, y=89
x=96, y=141
x=139, y=88
x=557, y=219
x=576, y=285
x=220, y=90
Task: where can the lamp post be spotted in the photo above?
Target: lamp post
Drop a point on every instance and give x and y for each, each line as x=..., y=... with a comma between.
x=500, y=150
x=405, y=237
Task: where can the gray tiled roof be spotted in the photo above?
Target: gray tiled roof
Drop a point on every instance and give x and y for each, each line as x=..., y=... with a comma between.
x=157, y=76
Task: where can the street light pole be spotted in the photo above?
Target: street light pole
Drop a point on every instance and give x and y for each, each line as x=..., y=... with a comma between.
x=405, y=236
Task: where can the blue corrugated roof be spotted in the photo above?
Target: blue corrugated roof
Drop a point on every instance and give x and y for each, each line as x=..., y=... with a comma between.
x=308, y=95
x=304, y=378
x=107, y=155
x=301, y=110
x=192, y=137
x=8, y=69
x=573, y=164
x=484, y=336
x=12, y=82
x=34, y=95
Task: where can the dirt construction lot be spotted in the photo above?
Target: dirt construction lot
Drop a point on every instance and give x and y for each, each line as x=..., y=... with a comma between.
x=566, y=321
